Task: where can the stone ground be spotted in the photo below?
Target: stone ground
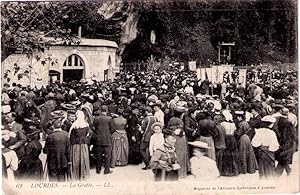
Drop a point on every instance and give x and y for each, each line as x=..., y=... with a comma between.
x=131, y=179
x=134, y=173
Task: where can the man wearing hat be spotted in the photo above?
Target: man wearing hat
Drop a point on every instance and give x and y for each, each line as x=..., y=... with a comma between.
x=57, y=148
x=203, y=167
x=147, y=132
x=67, y=122
x=287, y=138
x=164, y=162
x=31, y=166
x=17, y=143
x=104, y=128
x=47, y=108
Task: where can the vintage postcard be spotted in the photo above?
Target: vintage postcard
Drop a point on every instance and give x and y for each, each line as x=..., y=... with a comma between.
x=149, y=97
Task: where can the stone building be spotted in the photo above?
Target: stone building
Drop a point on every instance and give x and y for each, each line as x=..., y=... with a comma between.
x=91, y=59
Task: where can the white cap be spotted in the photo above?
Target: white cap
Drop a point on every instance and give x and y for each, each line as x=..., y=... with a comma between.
x=269, y=118
x=199, y=144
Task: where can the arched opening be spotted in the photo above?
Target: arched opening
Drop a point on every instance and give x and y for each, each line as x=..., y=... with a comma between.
x=73, y=68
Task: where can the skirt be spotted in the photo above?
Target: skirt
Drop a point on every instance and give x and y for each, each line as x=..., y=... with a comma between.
x=248, y=163
x=182, y=155
x=80, y=168
x=120, y=149
x=211, y=151
x=230, y=161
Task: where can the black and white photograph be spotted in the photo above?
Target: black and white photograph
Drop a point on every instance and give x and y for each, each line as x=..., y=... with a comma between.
x=149, y=97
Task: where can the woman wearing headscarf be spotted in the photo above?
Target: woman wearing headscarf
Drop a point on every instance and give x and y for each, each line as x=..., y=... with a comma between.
x=120, y=147
x=79, y=133
x=266, y=142
x=229, y=165
x=176, y=124
x=248, y=163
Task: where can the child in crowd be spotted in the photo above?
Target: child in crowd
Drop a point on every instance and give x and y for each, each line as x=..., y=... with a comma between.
x=157, y=139
x=164, y=162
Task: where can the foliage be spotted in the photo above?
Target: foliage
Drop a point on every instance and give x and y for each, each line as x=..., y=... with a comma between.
x=264, y=31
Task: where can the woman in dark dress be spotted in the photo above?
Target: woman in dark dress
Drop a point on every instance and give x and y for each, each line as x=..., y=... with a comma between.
x=134, y=137
x=248, y=163
x=120, y=148
x=230, y=162
x=79, y=136
x=176, y=124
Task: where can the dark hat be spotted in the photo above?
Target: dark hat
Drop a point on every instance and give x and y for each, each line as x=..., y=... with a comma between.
x=291, y=105
x=235, y=106
x=134, y=106
x=180, y=109
x=168, y=132
x=104, y=108
x=71, y=111
x=277, y=106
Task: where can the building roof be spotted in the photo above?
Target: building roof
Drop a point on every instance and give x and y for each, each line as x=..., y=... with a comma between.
x=88, y=42
x=98, y=42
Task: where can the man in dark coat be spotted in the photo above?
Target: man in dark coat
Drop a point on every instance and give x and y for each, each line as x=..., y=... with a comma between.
x=147, y=132
x=134, y=136
x=17, y=143
x=286, y=137
x=255, y=121
x=104, y=128
x=67, y=123
x=57, y=148
x=31, y=166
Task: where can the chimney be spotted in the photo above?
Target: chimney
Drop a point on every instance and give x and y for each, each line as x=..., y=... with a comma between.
x=79, y=32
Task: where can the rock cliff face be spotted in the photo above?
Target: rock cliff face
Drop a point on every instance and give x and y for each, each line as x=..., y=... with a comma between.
x=264, y=31
x=127, y=18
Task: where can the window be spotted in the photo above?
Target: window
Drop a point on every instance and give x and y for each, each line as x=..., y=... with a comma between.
x=73, y=60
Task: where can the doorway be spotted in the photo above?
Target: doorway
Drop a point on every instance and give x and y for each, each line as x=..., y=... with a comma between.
x=73, y=68
x=71, y=75
x=54, y=76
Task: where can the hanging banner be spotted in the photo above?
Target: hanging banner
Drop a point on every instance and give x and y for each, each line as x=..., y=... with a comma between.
x=209, y=73
x=199, y=74
x=243, y=76
x=192, y=65
x=202, y=71
x=214, y=74
x=221, y=72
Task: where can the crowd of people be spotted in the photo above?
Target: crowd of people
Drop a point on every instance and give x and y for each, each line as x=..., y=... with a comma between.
x=171, y=122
